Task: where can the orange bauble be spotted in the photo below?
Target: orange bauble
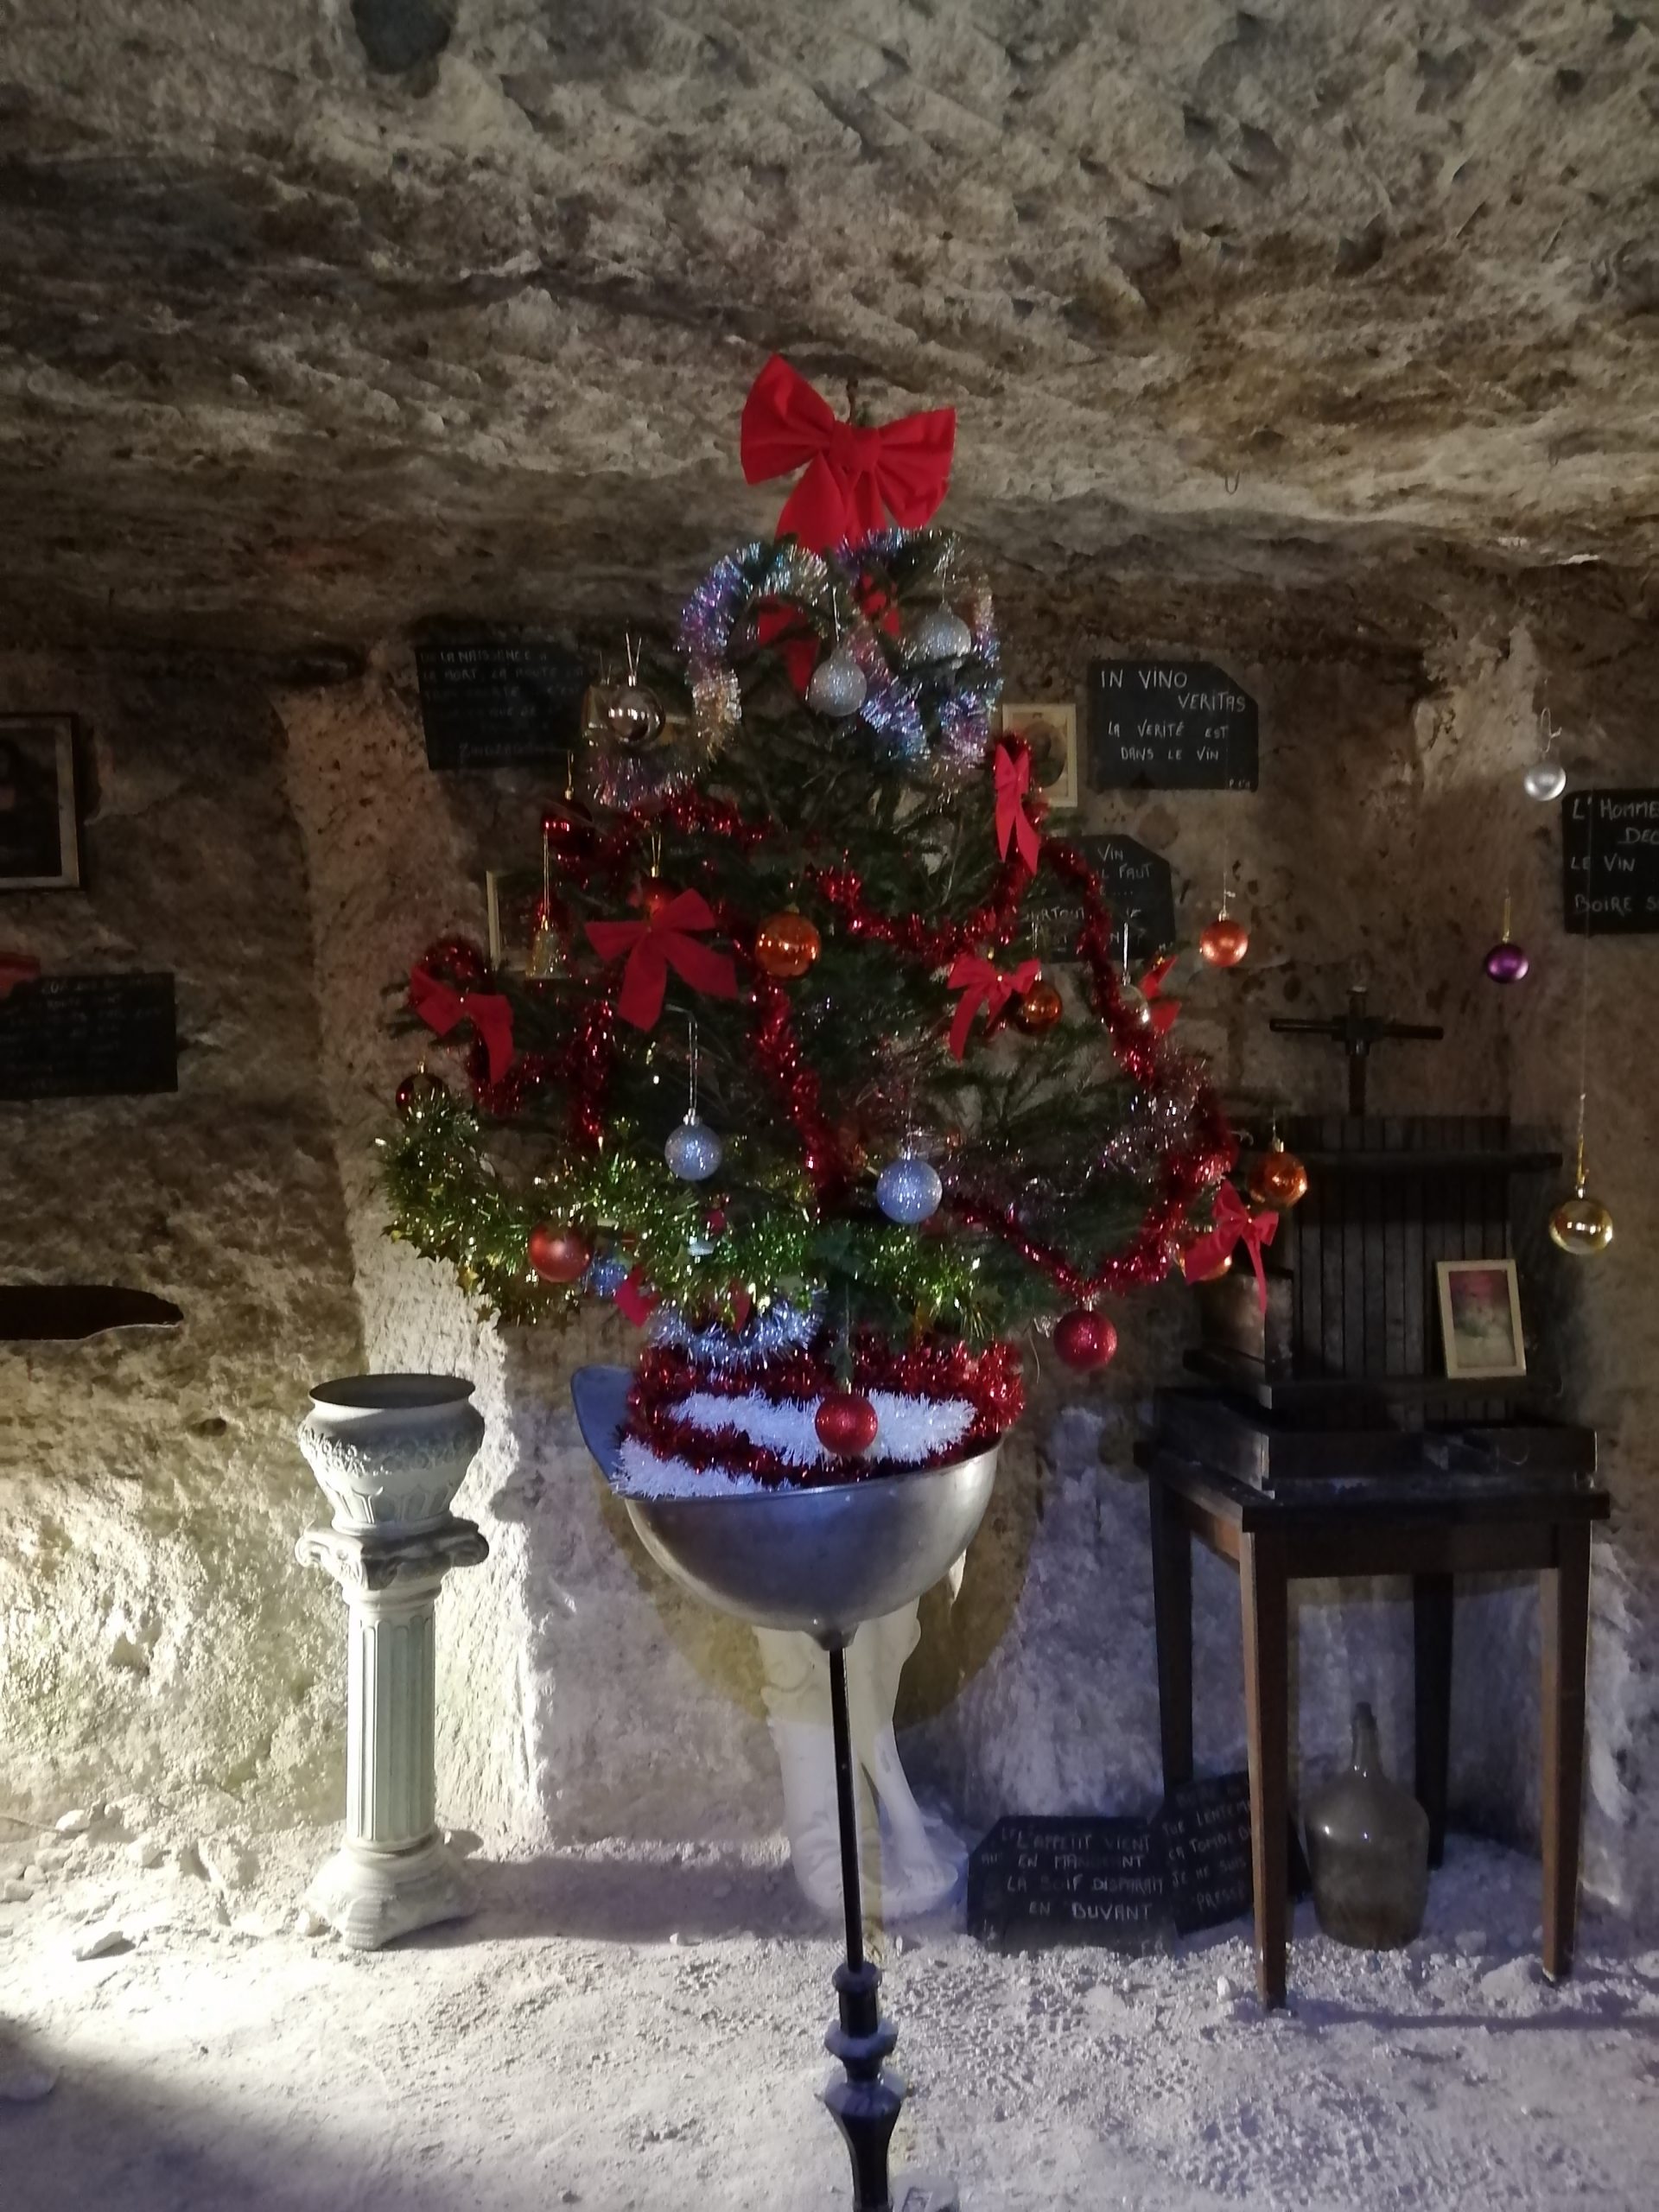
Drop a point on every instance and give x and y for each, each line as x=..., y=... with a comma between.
x=1213, y=1275
x=1278, y=1178
x=786, y=944
x=1040, y=1008
x=557, y=1255
x=1225, y=941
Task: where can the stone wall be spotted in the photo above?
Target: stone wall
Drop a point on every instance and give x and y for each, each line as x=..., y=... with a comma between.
x=581, y=1695
x=155, y=1632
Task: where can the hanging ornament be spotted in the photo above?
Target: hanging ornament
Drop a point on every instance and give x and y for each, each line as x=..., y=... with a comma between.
x=1133, y=1001
x=1083, y=1338
x=1580, y=1224
x=694, y=1151
x=837, y=687
x=786, y=944
x=1546, y=779
x=937, y=638
x=1506, y=962
x=632, y=714
x=546, y=962
x=1278, y=1178
x=845, y=1423
x=1212, y=1268
x=908, y=1189
x=1224, y=942
x=1039, y=1009
x=415, y=1091
x=558, y=1255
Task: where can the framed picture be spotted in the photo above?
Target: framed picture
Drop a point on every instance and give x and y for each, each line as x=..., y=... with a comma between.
x=39, y=846
x=1480, y=1317
x=1051, y=733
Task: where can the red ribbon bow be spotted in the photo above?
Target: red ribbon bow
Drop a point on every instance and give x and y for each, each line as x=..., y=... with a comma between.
x=1235, y=1225
x=854, y=477
x=1013, y=780
x=441, y=1009
x=655, y=945
x=16, y=967
x=635, y=1298
x=1162, y=1010
x=983, y=983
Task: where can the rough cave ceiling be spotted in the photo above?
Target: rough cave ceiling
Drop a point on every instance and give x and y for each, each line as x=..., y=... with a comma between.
x=315, y=319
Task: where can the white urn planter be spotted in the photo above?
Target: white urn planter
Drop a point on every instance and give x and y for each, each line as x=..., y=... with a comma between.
x=388, y=1453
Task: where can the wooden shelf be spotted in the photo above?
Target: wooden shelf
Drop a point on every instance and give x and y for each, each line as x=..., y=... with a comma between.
x=1235, y=1371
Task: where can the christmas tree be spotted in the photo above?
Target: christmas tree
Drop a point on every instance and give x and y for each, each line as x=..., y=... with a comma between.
x=821, y=1063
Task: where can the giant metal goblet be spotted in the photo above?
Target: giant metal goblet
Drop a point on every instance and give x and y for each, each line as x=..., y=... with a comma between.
x=821, y=1561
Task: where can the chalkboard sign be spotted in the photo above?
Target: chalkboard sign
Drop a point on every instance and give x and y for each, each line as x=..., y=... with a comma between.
x=88, y=1037
x=1137, y=884
x=1609, y=861
x=1039, y=1881
x=1169, y=725
x=1204, y=1828
x=494, y=702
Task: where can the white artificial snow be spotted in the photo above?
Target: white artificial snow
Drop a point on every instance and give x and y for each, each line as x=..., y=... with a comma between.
x=910, y=1430
x=643, y=1475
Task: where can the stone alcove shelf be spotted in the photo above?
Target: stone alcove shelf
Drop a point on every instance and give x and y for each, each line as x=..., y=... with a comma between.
x=45, y=1313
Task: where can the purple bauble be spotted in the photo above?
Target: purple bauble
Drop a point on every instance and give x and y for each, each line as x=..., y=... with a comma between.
x=1506, y=962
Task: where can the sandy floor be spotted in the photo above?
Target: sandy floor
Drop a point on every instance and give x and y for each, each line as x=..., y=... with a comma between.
x=617, y=2029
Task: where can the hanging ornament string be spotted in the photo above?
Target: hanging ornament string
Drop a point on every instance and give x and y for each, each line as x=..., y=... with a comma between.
x=854, y=477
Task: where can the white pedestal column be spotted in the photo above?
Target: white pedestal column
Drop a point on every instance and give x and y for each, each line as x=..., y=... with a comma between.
x=392, y=1874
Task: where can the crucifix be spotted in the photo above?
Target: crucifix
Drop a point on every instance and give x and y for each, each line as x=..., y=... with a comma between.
x=1357, y=1032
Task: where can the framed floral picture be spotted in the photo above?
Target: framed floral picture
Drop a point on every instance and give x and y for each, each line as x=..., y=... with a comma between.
x=39, y=846
x=1480, y=1317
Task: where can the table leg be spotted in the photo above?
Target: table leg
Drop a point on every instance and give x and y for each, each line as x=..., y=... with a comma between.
x=1172, y=1609
x=1431, y=1600
x=1565, y=1591
x=1264, y=1602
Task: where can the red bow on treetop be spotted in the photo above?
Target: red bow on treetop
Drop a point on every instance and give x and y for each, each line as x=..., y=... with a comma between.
x=1235, y=1225
x=1012, y=781
x=983, y=984
x=854, y=477
x=442, y=1009
x=655, y=945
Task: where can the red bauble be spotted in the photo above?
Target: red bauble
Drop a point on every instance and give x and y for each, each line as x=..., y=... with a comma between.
x=655, y=896
x=786, y=944
x=568, y=829
x=1040, y=1008
x=415, y=1090
x=558, y=1255
x=1225, y=941
x=845, y=1423
x=1084, y=1340
x=1278, y=1178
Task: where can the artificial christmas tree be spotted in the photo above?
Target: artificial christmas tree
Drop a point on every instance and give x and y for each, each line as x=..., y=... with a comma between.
x=793, y=1075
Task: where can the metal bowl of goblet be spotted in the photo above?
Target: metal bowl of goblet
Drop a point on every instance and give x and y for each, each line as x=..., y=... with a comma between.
x=820, y=1562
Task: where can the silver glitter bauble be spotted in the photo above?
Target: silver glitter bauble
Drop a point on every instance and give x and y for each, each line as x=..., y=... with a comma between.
x=1133, y=999
x=1545, y=780
x=908, y=1189
x=939, y=635
x=633, y=717
x=694, y=1151
x=836, y=686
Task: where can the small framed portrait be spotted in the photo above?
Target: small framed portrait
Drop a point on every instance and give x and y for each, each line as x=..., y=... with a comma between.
x=1480, y=1317
x=39, y=844
x=1050, y=732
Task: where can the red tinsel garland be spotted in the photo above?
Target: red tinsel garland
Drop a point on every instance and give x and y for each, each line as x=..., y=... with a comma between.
x=989, y=1380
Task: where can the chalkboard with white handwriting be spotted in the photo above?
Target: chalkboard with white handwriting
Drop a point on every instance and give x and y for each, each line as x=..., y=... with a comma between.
x=1169, y=725
x=1609, y=862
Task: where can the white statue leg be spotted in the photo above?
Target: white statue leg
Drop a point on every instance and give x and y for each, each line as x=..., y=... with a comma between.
x=910, y=1863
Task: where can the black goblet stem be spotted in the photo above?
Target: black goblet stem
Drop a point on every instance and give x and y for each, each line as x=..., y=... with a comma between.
x=866, y=2106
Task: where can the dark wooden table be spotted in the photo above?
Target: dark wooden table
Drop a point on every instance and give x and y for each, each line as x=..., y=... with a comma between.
x=1431, y=1528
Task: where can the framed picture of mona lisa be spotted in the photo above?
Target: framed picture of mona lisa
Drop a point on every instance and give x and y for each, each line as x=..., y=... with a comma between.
x=39, y=844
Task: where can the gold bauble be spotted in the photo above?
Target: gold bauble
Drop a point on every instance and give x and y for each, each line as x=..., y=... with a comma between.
x=1224, y=942
x=786, y=944
x=1581, y=1225
x=1039, y=1007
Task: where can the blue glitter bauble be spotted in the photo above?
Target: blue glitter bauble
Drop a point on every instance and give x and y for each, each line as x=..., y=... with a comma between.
x=908, y=1189
x=694, y=1151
